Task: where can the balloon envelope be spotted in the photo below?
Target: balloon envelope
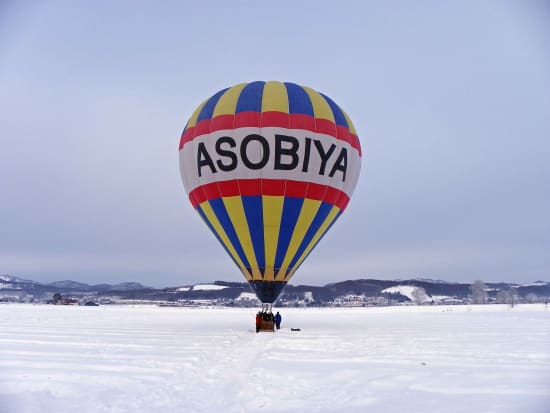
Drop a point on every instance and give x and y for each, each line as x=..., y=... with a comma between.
x=269, y=166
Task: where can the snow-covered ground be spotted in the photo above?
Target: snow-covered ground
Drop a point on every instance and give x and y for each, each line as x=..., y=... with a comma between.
x=183, y=289
x=394, y=359
x=247, y=296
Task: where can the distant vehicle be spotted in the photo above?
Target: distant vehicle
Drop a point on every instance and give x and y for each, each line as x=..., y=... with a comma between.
x=269, y=167
x=91, y=304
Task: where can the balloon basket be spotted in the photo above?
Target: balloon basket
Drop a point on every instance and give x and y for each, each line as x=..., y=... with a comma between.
x=264, y=320
x=267, y=326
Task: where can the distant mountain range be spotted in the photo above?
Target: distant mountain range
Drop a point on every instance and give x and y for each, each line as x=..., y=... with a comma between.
x=9, y=282
x=350, y=292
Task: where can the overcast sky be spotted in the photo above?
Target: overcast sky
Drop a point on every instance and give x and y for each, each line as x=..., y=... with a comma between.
x=451, y=101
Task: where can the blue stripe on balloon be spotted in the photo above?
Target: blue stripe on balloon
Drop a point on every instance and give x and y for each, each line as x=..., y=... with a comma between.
x=318, y=220
x=253, y=209
x=291, y=211
x=250, y=99
x=210, y=105
x=298, y=100
x=205, y=219
x=330, y=226
x=221, y=213
x=321, y=237
x=339, y=117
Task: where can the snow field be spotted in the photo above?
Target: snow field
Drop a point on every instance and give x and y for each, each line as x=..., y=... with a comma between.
x=393, y=359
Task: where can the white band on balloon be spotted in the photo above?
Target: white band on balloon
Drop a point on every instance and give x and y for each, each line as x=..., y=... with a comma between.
x=269, y=153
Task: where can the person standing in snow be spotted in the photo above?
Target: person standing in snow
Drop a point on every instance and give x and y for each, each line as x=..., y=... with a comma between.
x=258, y=322
x=278, y=319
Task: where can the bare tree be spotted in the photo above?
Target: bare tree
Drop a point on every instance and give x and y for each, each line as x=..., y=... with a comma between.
x=532, y=298
x=479, y=292
x=419, y=295
x=506, y=297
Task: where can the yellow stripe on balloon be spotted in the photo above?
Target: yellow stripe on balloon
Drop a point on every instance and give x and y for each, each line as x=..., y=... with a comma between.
x=235, y=210
x=272, y=213
x=321, y=108
x=215, y=223
x=193, y=119
x=227, y=104
x=307, y=213
x=322, y=229
x=350, y=124
x=275, y=98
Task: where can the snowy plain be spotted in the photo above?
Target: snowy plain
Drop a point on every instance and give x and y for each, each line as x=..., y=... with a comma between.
x=394, y=359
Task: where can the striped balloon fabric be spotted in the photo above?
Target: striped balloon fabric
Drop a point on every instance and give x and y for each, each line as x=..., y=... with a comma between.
x=269, y=166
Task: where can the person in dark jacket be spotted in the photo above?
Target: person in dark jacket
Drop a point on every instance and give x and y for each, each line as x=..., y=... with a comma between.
x=278, y=319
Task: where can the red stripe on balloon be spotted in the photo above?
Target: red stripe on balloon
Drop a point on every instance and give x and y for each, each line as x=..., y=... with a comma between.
x=332, y=196
x=300, y=121
x=229, y=188
x=222, y=122
x=250, y=187
x=295, y=189
x=275, y=119
x=203, y=127
x=270, y=119
x=355, y=143
x=211, y=191
x=193, y=198
x=325, y=126
x=187, y=136
x=343, y=134
x=273, y=187
x=316, y=191
x=247, y=119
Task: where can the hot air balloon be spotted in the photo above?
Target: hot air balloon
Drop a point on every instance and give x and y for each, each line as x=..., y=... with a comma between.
x=269, y=166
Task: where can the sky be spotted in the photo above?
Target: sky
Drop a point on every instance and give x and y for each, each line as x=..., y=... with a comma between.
x=450, y=99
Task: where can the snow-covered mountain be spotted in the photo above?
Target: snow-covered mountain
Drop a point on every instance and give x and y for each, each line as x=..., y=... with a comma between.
x=535, y=284
x=12, y=285
x=125, y=286
x=363, y=291
x=9, y=282
x=70, y=285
